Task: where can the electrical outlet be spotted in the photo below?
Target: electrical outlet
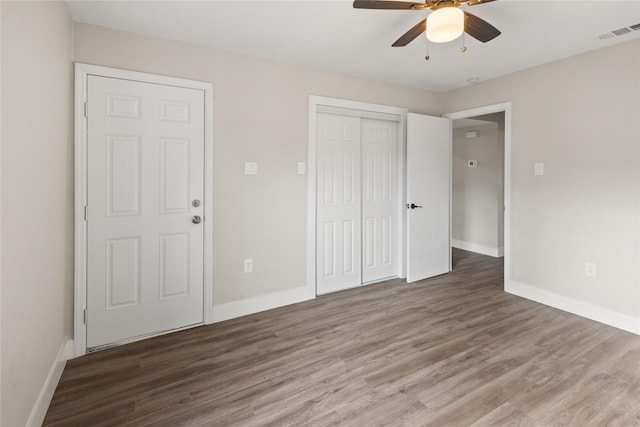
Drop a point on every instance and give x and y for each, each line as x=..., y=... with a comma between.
x=590, y=269
x=302, y=168
x=538, y=169
x=248, y=265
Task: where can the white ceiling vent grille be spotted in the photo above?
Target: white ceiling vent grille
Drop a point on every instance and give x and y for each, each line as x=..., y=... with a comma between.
x=619, y=32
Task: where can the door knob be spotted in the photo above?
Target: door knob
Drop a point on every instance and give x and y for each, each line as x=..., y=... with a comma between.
x=412, y=206
x=196, y=219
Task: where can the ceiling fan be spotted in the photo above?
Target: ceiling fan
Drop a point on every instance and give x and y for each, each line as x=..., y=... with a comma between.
x=447, y=22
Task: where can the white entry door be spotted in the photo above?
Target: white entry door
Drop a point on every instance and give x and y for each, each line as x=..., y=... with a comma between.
x=145, y=190
x=428, y=196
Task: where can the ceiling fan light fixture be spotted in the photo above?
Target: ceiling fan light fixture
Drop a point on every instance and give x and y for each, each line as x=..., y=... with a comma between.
x=445, y=24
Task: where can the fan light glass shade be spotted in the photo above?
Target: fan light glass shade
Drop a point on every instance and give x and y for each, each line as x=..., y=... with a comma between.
x=444, y=25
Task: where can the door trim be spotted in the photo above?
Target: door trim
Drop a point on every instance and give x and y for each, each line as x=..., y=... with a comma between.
x=82, y=72
x=365, y=110
x=496, y=108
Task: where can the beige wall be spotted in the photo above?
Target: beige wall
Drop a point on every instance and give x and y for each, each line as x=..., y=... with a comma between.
x=578, y=116
x=476, y=195
x=37, y=233
x=260, y=114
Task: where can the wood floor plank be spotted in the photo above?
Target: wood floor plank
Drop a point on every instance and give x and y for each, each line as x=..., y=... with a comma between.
x=454, y=350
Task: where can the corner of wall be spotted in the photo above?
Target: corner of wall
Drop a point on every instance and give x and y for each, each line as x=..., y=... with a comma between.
x=41, y=406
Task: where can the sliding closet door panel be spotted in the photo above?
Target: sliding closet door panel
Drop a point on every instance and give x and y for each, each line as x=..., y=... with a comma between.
x=338, y=229
x=379, y=201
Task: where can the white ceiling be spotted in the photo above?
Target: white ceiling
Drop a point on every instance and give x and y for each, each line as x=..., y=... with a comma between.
x=331, y=35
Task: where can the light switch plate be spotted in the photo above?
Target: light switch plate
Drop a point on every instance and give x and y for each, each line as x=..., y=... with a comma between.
x=472, y=163
x=590, y=269
x=538, y=169
x=302, y=168
x=250, y=168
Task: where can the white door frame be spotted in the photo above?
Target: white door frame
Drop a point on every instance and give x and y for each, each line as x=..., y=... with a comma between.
x=360, y=109
x=496, y=108
x=82, y=72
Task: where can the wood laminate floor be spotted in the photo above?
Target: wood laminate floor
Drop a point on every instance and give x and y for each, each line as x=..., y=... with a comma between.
x=454, y=350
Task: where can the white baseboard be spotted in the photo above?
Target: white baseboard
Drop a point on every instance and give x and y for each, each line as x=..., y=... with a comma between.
x=581, y=308
x=243, y=307
x=41, y=406
x=479, y=249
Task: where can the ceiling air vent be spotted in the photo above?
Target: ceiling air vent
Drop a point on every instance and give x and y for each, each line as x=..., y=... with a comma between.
x=619, y=32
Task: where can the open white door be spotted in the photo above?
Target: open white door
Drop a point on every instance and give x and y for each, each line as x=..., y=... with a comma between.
x=428, y=196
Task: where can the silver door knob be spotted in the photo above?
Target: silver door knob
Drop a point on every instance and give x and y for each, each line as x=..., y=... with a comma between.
x=196, y=219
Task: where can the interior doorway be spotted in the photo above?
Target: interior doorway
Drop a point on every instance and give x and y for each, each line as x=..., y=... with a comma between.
x=477, y=196
x=480, y=201
x=142, y=263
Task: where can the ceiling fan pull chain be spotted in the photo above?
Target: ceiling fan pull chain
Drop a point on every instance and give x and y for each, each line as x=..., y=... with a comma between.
x=427, y=57
x=463, y=48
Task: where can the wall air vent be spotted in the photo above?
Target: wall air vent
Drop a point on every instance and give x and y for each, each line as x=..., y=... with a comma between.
x=619, y=32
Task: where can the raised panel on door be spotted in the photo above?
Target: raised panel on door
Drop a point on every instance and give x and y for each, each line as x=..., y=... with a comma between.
x=174, y=265
x=123, y=175
x=175, y=165
x=338, y=235
x=379, y=201
x=123, y=272
x=145, y=165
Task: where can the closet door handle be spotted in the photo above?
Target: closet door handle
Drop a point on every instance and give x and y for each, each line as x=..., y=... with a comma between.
x=412, y=206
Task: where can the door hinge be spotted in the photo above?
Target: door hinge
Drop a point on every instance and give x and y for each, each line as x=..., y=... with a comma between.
x=86, y=214
x=86, y=110
x=85, y=316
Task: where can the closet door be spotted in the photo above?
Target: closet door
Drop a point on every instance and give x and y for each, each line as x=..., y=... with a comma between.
x=338, y=220
x=379, y=201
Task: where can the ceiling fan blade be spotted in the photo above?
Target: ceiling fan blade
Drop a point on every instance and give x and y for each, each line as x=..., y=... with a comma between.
x=389, y=4
x=410, y=35
x=479, y=28
x=476, y=2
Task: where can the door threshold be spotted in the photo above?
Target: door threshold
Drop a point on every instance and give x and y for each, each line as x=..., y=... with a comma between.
x=140, y=338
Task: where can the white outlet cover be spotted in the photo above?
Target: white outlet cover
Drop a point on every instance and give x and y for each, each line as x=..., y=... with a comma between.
x=302, y=168
x=472, y=163
x=250, y=168
x=538, y=169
